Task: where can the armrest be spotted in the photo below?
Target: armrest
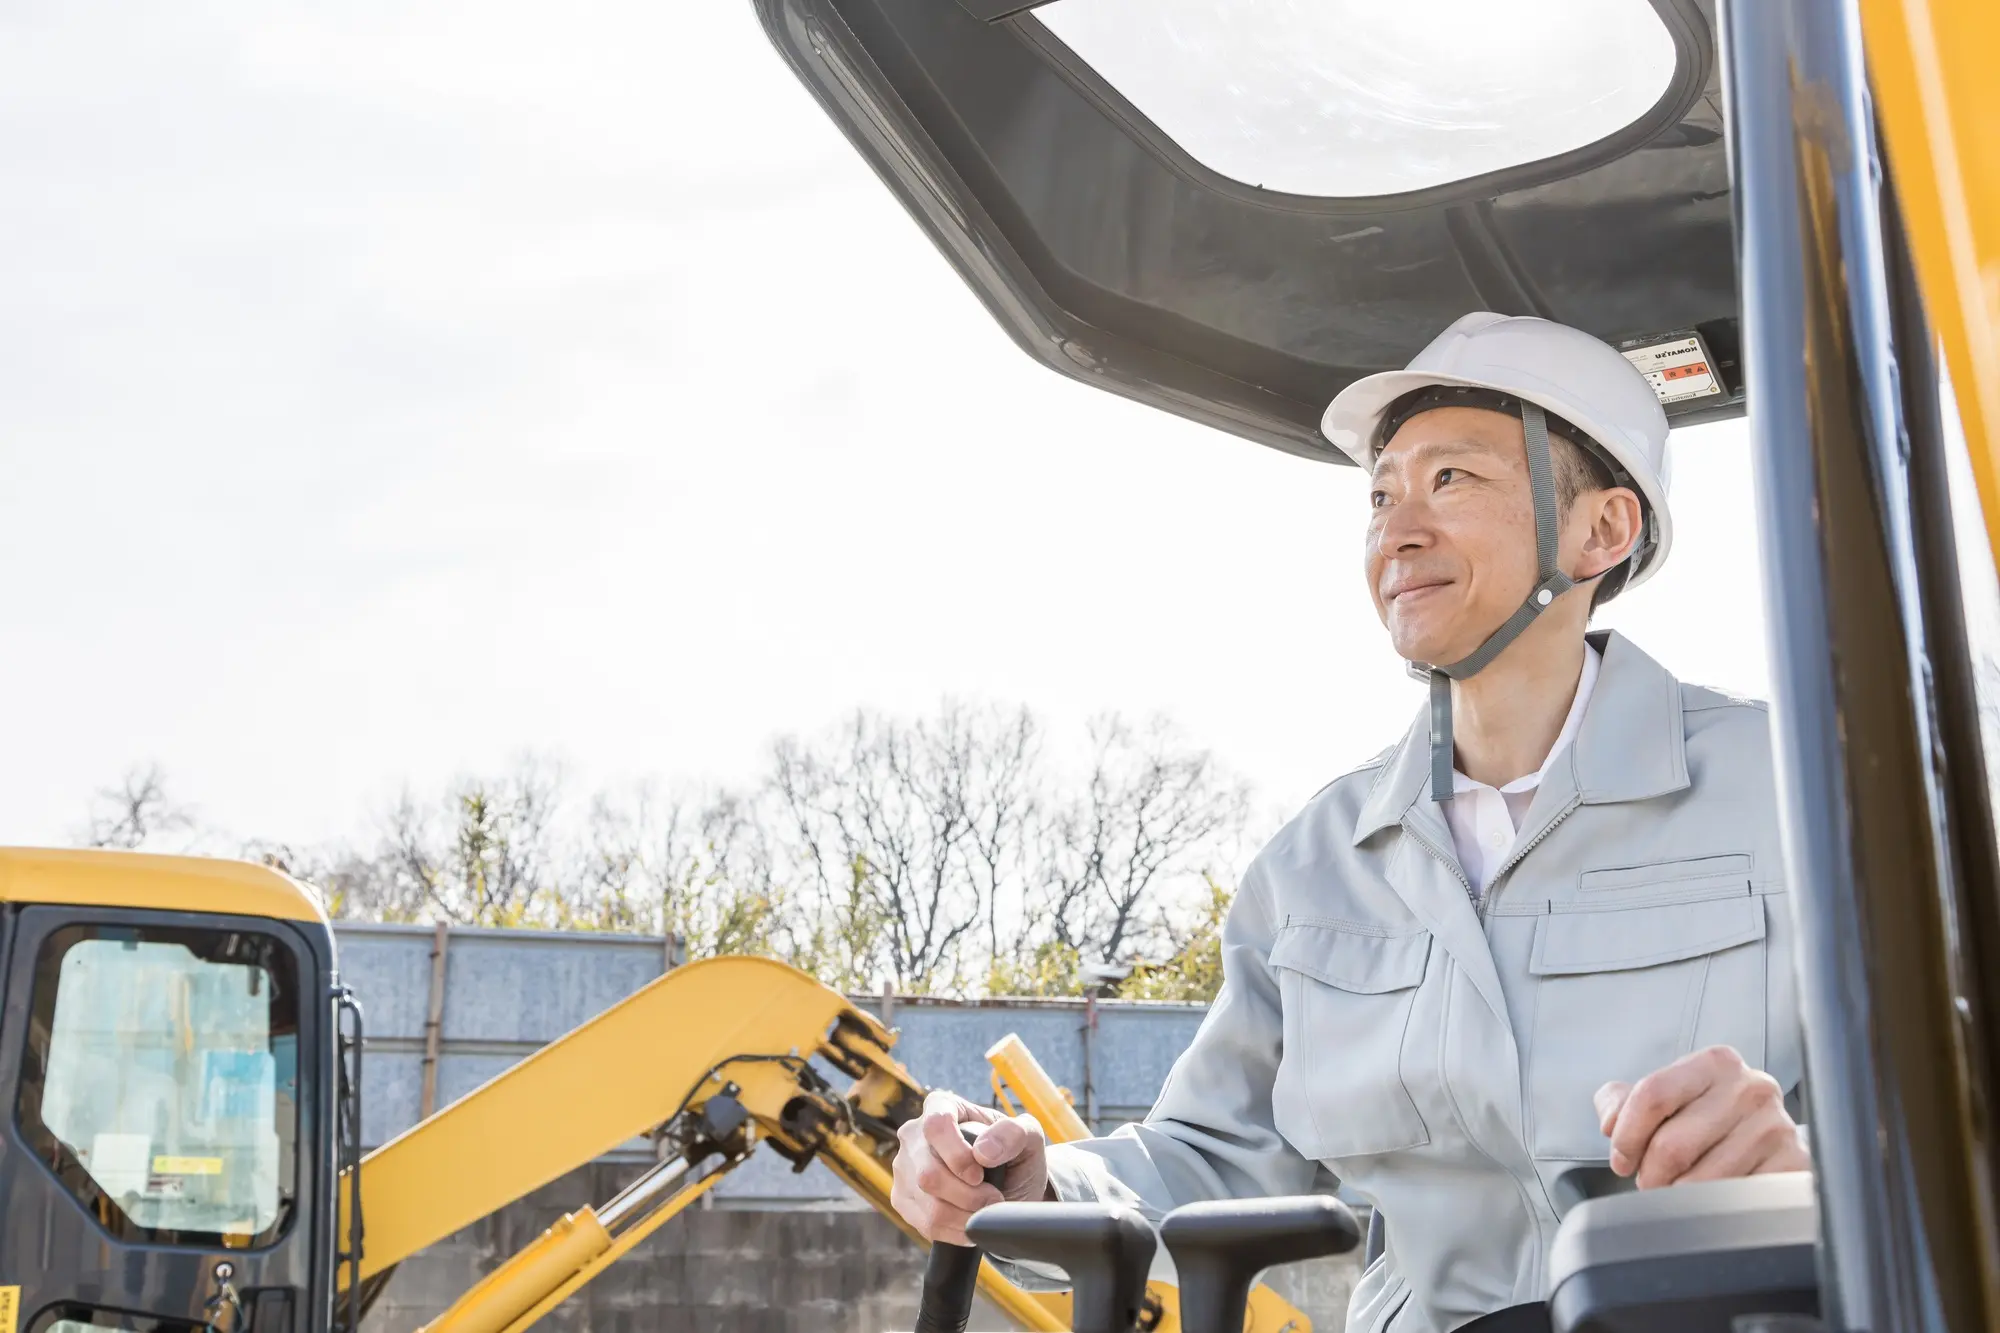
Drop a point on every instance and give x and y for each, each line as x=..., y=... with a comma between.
x=1688, y=1259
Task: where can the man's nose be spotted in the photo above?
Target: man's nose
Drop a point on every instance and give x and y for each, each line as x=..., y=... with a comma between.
x=1404, y=527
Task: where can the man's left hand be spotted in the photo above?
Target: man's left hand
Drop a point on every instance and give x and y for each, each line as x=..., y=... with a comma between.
x=1706, y=1116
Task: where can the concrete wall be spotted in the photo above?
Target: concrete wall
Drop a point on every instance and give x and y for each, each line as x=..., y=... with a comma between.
x=773, y=1251
x=832, y=1269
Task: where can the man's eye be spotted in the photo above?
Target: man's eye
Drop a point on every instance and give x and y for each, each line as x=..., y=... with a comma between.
x=1378, y=498
x=1447, y=475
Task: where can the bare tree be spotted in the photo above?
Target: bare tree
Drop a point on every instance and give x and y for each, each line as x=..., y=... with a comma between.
x=1190, y=968
x=138, y=813
x=944, y=854
x=698, y=867
x=612, y=891
x=487, y=855
x=1005, y=810
x=352, y=886
x=1156, y=821
x=908, y=828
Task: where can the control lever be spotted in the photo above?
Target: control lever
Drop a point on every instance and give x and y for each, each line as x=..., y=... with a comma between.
x=951, y=1274
x=1582, y=1183
x=1220, y=1247
x=1107, y=1250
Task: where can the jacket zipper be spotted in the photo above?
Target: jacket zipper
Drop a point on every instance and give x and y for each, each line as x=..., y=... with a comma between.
x=1521, y=852
x=1491, y=890
x=1448, y=862
x=1521, y=1187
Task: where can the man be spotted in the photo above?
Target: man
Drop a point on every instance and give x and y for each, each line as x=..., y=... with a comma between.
x=1547, y=929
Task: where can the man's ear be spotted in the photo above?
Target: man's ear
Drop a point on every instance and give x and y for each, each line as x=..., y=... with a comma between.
x=1617, y=523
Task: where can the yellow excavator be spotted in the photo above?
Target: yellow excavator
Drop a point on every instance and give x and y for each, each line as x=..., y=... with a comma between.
x=184, y=1148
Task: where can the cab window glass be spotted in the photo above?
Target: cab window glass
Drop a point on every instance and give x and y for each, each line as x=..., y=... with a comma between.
x=1357, y=98
x=161, y=1080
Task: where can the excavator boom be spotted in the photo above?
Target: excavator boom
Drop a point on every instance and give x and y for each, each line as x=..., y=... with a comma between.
x=617, y=1077
x=712, y=1060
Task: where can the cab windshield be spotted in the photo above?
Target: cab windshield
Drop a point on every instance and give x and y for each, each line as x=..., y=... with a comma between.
x=162, y=1080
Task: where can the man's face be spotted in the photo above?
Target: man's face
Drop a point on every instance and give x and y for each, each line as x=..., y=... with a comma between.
x=1451, y=543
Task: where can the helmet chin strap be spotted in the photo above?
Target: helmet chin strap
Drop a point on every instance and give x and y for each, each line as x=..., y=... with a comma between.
x=1551, y=583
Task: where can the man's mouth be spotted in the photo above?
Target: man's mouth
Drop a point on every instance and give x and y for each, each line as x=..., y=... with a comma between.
x=1406, y=591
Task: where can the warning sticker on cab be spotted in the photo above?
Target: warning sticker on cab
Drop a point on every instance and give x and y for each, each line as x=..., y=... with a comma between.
x=1678, y=369
x=187, y=1166
x=10, y=1308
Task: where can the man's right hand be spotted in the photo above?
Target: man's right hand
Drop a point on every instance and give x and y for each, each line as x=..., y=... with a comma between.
x=940, y=1178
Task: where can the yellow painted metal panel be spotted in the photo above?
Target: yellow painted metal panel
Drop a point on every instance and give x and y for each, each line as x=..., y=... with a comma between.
x=1931, y=64
x=516, y=1286
x=620, y=1246
x=160, y=883
x=1038, y=1093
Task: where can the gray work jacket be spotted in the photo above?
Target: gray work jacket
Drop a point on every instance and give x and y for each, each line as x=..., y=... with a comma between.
x=1376, y=1028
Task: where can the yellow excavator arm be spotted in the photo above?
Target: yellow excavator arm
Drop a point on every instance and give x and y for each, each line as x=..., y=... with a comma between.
x=711, y=1061
x=615, y=1078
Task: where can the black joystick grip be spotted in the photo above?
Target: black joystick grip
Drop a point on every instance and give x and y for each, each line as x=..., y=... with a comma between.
x=951, y=1275
x=1219, y=1248
x=1107, y=1250
x=1580, y=1184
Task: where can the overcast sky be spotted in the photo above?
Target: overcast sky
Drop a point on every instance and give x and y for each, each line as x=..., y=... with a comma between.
x=385, y=390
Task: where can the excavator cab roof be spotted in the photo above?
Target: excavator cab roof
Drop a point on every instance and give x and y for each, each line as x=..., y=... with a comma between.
x=1232, y=212
x=147, y=880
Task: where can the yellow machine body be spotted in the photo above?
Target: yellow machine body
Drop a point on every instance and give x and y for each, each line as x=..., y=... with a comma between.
x=1931, y=66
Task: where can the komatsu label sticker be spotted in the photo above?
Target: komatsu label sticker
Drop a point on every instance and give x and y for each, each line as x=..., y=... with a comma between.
x=1678, y=369
x=10, y=1308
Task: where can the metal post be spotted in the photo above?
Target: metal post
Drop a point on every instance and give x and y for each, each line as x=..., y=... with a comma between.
x=1089, y=1039
x=434, y=1021
x=889, y=1004
x=1858, y=752
x=670, y=958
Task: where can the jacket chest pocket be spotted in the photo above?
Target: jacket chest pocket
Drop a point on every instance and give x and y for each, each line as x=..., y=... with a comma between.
x=1347, y=992
x=1622, y=992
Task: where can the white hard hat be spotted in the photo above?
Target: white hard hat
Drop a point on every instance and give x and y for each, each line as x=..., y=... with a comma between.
x=1569, y=374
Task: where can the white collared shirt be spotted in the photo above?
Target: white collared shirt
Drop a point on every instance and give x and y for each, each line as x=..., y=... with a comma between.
x=1486, y=821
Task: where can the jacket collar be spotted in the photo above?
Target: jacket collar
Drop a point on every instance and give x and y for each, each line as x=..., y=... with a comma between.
x=1632, y=745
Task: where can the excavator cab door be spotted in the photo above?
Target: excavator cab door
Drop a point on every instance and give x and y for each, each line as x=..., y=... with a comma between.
x=1232, y=211
x=162, y=1160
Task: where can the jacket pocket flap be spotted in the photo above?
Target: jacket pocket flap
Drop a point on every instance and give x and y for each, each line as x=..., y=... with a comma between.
x=1613, y=939
x=1352, y=957
x=1676, y=877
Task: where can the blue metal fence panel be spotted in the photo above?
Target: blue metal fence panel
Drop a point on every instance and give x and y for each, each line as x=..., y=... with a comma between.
x=507, y=993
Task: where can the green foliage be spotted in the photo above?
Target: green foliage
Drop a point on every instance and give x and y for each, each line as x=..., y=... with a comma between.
x=1194, y=970
x=1051, y=970
x=837, y=937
